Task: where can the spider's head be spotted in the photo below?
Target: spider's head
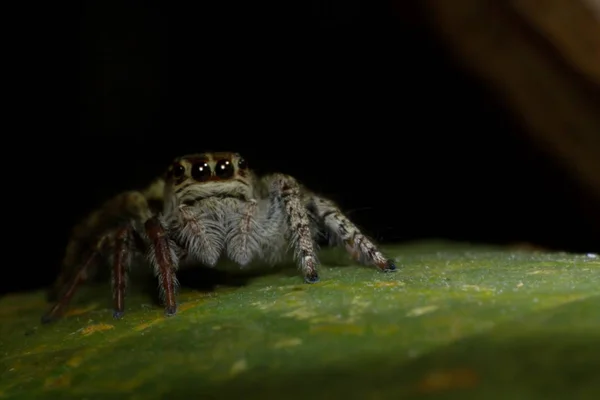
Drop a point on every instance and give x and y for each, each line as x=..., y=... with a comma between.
x=196, y=176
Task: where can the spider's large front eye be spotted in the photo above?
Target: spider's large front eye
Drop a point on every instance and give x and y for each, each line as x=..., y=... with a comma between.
x=201, y=171
x=224, y=169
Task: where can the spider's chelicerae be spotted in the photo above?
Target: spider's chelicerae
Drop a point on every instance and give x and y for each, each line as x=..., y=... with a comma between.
x=207, y=205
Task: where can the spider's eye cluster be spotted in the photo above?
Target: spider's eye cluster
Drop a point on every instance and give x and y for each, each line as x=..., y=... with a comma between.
x=201, y=171
x=177, y=170
x=224, y=169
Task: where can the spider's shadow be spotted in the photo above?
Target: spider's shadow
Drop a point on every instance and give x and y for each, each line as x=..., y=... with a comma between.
x=207, y=279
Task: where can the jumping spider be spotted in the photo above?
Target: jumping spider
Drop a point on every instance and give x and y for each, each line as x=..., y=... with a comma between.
x=206, y=205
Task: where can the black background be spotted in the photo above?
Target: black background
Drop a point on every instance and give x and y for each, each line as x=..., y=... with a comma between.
x=356, y=99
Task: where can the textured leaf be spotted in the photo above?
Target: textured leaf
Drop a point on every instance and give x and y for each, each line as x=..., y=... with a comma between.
x=453, y=322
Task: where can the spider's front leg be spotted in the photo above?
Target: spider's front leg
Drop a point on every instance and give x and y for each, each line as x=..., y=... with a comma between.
x=163, y=258
x=348, y=234
x=288, y=190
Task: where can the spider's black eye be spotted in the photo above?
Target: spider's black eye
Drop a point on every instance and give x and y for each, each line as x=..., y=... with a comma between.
x=201, y=171
x=177, y=170
x=242, y=164
x=224, y=169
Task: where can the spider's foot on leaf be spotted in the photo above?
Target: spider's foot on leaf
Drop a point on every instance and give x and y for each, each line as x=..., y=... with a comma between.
x=118, y=314
x=47, y=318
x=313, y=278
x=170, y=311
x=52, y=315
x=389, y=267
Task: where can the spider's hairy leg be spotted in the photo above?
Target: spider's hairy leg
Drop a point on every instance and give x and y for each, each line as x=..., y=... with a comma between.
x=79, y=276
x=126, y=241
x=121, y=262
x=163, y=258
x=288, y=190
x=123, y=207
x=105, y=231
x=348, y=234
x=119, y=243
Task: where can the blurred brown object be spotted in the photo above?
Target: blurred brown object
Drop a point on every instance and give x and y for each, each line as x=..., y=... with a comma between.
x=542, y=58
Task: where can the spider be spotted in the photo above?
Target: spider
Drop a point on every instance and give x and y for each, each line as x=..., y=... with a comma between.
x=205, y=206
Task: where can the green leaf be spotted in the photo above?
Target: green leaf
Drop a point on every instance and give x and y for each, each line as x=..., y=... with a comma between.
x=454, y=322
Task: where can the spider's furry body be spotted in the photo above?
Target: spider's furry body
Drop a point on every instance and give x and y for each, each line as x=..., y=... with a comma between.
x=206, y=206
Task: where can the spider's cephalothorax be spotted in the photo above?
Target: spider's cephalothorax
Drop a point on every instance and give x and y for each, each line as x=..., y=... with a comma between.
x=207, y=205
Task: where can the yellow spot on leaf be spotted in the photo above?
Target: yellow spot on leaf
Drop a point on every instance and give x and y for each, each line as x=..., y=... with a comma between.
x=80, y=311
x=186, y=306
x=291, y=342
x=56, y=382
x=146, y=325
x=195, y=296
x=520, y=284
x=380, y=284
x=238, y=367
x=88, y=330
x=75, y=361
x=415, y=312
x=446, y=380
x=38, y=349
x=329, y=284
x=338, y=329
x=80, y=356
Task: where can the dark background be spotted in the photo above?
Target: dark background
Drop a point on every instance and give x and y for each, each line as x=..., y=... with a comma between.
x=357, y=99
